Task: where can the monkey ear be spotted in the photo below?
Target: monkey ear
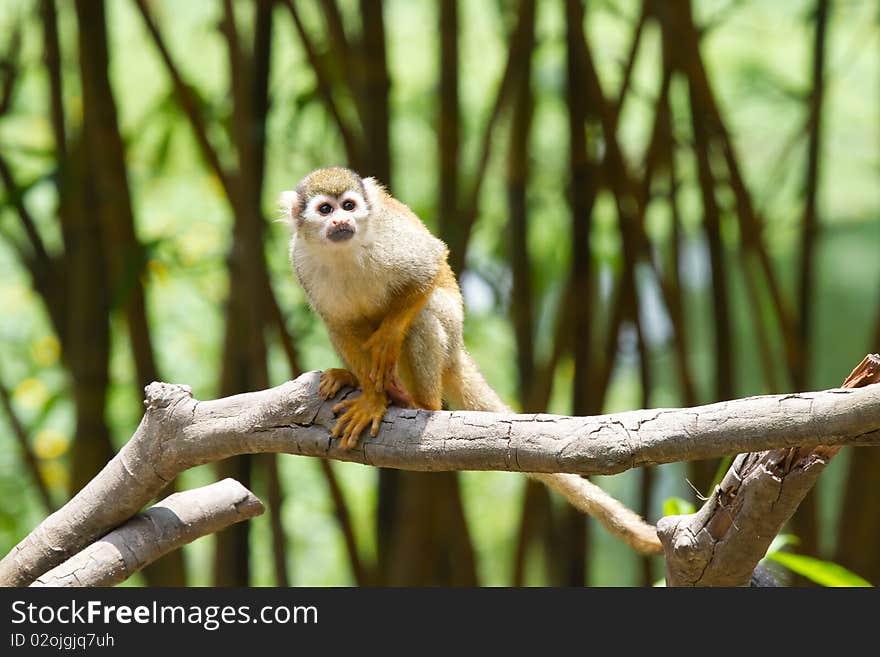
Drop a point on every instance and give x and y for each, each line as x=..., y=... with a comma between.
x=289, y=204
x=375, y=191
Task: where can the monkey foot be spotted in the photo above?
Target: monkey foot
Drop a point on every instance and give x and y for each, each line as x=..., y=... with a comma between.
x=368, y=409
x=333, y=379
x=398, y=394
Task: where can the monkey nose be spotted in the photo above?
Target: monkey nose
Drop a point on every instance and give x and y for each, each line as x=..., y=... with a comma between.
x=340, y=231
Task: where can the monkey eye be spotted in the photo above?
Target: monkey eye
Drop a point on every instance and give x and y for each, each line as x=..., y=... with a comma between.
x=348, y=205
x=325, y=208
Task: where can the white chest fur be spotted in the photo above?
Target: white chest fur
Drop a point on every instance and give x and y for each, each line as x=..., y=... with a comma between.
x=345, y=284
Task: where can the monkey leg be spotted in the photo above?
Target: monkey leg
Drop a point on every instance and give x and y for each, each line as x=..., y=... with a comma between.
x=421, y=362
x=333, y=379
x=366, y=410
x=398, y=394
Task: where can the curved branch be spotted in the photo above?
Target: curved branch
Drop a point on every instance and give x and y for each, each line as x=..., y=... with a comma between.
x=172, y=523
x=178, y=432
x=721, y=544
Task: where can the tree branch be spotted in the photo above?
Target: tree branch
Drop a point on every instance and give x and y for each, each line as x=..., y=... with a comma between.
x=172, y=523
x=342, y=51
x=721, y=544
x=178, y=432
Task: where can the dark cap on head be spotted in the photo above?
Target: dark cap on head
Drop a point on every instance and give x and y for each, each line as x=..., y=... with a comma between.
x=333, y=181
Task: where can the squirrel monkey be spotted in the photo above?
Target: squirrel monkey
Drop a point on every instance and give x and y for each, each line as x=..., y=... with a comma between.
x=381, y=283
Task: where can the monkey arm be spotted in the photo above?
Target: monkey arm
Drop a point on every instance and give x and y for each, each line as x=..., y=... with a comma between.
x=384, y=345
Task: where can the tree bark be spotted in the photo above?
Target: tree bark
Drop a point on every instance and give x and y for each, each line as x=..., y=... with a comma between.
x=124, y=253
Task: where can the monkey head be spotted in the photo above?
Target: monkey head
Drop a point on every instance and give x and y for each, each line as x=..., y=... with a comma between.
x=329, y=205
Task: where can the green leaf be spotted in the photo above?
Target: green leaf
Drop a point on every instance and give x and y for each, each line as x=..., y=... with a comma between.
x=676, y=506
x=821, y=572
x=781, y=541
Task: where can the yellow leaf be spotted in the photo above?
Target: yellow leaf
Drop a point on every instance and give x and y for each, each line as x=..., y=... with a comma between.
x=50, y=444
x=46, y=350
x=54, y=474
x=31, y=393
x=158, y=270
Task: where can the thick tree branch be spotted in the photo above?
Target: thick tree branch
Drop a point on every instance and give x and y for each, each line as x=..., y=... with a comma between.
x=178, y=432
x=172, y=523
x=721, y=544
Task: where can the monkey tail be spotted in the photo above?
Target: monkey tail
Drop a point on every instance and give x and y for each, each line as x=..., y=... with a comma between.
x=468, y=390
x=616, y=517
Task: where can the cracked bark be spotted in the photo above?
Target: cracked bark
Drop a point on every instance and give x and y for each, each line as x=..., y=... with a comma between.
x=178, y=432
x=721, y=544
x=168, y=525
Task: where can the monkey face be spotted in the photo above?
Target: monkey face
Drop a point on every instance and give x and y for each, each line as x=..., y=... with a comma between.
x=335, y=218
x=329, y=206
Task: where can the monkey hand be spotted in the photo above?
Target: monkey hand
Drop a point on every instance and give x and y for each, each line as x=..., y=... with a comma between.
x=333, y=379
x=367, y=409
x=383, y=350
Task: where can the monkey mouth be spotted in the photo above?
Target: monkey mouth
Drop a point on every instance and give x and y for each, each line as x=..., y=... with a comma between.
x=340, y=233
